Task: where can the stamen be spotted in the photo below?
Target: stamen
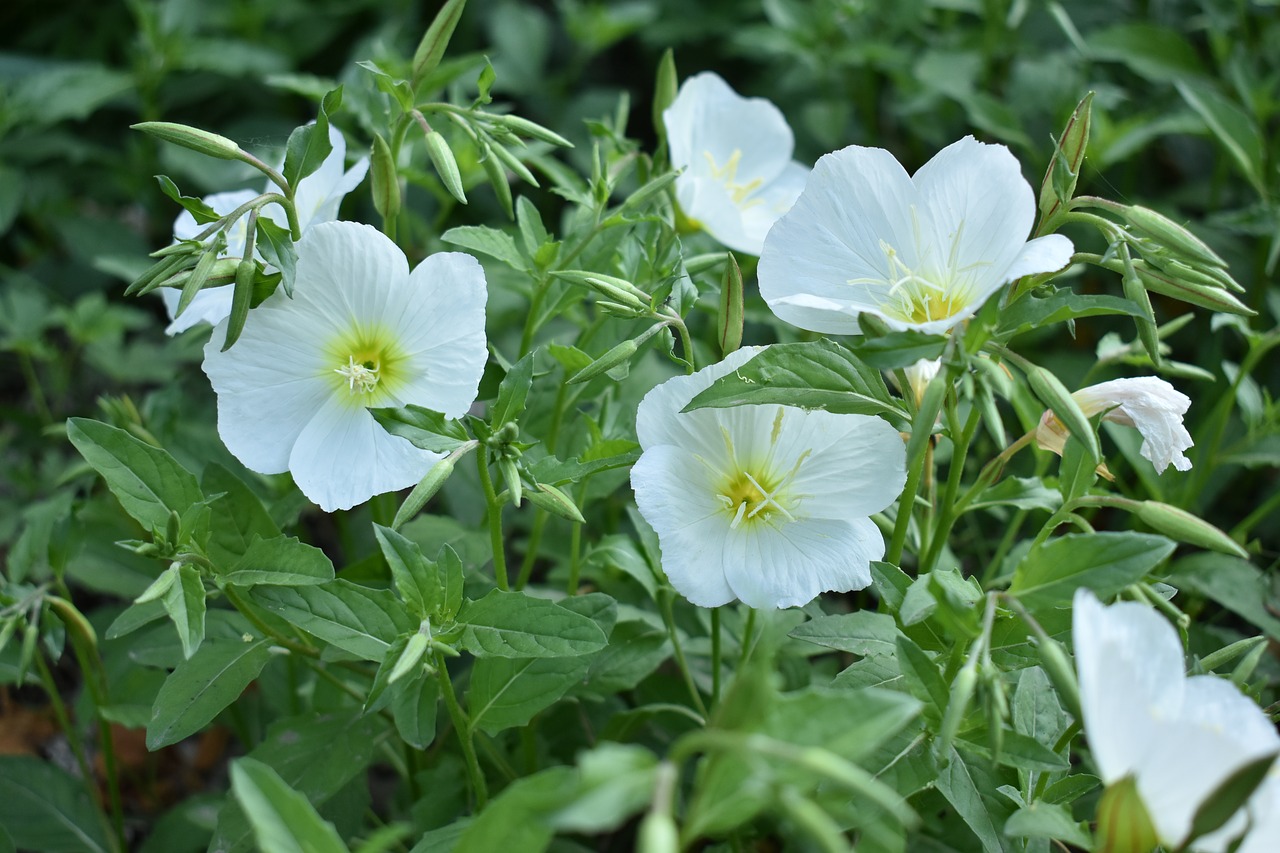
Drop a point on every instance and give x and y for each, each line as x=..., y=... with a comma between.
x=361, y=377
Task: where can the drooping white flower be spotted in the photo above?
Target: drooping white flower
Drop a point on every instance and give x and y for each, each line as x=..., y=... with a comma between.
x=360, y=332
x=1150, y=405
x=1179, y=738
x=738, y=173
x=766, y=504
x=317, y=200
x=921, y=252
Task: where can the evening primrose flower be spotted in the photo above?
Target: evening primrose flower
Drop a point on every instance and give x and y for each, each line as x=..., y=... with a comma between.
x=766, y=504
x=1175, y=739
x=360, y=332
x=738, y=173
x=921, y=252
x=317, y=200
x=1151, y=405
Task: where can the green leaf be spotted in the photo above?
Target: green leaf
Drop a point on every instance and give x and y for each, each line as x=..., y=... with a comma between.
x=1103, y=562
x=1025, y=753
x=922, y=678
x=415, y=578
x=821, y=717
x=449, y=567
x=413, y=707
x=957, y=785
x=615, y=781
x=488, y=241
x=1236, y=584
x=317, y=756
x=276, y=246
x=515, y=625
x=146, y=480
x=555, y=472
x=898, y=349
x=238, y=517
x=513, y=391
x=279, y=561
x=818, y=375
x=201, y=212
x=354, y=618
x=283, y=820
x=517, y=818
x=1035, y=312
x=201, y=687
x=423, y=428
x=309, y=145
x=508, y=692
x=1160, y=54
x=1019, y=492
x=863, y=632
x=184, y=602
x=1232, y=126
x=45, y=808
x=1046, y=820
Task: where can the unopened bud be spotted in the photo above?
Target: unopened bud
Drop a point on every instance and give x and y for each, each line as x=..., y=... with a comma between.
x=511, y=475
x=532, y=130
x=665, y=88
x=383, y=179
x=159, y=586
x=1057, y=665
x=1166, y=232
x=1124, y=826
x=513, y=163
x=1183, y=526
x=611, y=359
x=189, y=137
x=410, y=657
x=1054, y=394
x=958, y=703
x=556, y=502
x=658, y=833
x=1171, y=282
x=1059, y=182
x=428, y=486
x=446, y=165
x=731, y=314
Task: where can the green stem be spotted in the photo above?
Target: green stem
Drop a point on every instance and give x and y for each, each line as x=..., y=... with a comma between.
x=905, y=505
x=33, y=384
x=668, y=597
x=949, y=513
x=96, y=682
x=715, y=657
x=77, y=748
x=748, y=641
x=495, y=521
x=531, y=549
x=247, y=610
x=1241, y=530
x=465, y=737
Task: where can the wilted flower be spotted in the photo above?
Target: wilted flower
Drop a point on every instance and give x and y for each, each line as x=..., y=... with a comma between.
x=767, y=504
x=1151, y=405
x=738, y=173
x=921, y=252
x=1176, y=738
x=317, y=200
x=360, y=332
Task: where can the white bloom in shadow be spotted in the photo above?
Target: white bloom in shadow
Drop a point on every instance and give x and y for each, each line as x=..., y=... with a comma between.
x=921, y=252
x=1146, y=403
x=1178, y=738
x=766, y=504
x=317, y=200
x=738, y=173
x=360, y=332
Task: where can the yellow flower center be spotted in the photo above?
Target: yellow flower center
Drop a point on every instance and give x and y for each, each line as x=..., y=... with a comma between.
x=728, y=175
x=367, y=366
x=755, y=491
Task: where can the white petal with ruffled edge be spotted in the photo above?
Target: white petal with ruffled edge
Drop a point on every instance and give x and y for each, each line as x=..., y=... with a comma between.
x=1151, y=405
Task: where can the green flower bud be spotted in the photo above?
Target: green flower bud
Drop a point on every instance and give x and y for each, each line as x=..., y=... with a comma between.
x=384, y=179
x=555, y=501
x=658, y=834
x=410, y=657
x=731, y=314
x=1166, y=232
x=1054, y=394
x=446, y=166
x=1057, y=665
x=1124, y=826
x=1059, y=183
x=189, y=137
x=429, y=485
x=1183, y=526
x=532, y=130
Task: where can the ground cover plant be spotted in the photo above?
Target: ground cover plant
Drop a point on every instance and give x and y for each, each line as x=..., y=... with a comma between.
x=647, y=425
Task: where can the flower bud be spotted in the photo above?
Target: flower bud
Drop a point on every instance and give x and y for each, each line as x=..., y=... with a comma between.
x=446, y=166
x=498, y=178
x=1059, y=183
x=665, y=89
x=383, y=179
x=511, y=475
x=1124, y=826
x=532, y=130
x=731, y=314
x=513, y=163
x=189, y=137
x=410, y=657
x=1053, y=394
x=658, y=834
x=428, y=486
x=1183, y=526
x=1166, y=232
x=1172, y=281
x=961, y=694
x=159, y=586
x=1057, y=665
x=555, y=501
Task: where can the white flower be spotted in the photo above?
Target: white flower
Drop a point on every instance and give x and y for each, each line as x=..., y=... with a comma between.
x=1153, y=406
x=921, y=252
x=316, y=200
x=1178, y=737
x=738, y=173
x=360, y=332
x=767, y=504
x=920, y=374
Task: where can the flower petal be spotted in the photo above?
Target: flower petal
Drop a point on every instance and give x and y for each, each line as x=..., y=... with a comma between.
x=708, y=122
x=1151, y=405
x=348, y=272
x=766, y=205
x=856, y=465
x=1043, y=254
x=1130, y=665
x=979, y=210
x=675, y=496
x=343, y=457
x=790, y=563
x=270, y=384
x=438, y=319
x=831, y=244
x=656, y=421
